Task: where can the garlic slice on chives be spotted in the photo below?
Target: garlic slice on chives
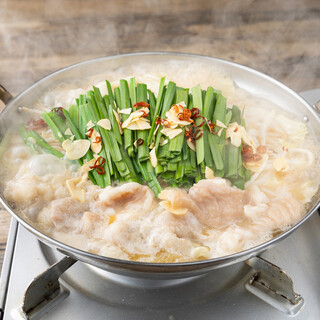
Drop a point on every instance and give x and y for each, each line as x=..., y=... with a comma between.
x=104, y=123
x=209, y=174
x=76, y=149
x=153, y=157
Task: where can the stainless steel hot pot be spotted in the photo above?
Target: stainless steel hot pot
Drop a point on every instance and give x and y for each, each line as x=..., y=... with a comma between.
x=246, y=78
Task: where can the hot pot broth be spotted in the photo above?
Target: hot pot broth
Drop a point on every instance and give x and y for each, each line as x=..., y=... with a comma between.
x=209, y=219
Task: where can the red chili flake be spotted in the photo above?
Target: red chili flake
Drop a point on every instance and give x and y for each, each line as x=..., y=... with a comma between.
x=98, y=166
x=100, y=170
x=213, y=127
x=144, y=114
x=140, y=142
x=245, y=148
x=188, y=134
x=285, y=149
x=187, y=113
x=183, y=115
x=36, y=124
x=202, y=123
x=248, y=155
x=141, y=104
x=165, y=123
x=89, y=132
x=198, y=134
x=236, y=129
x=180, y=116
x=97, y=162
x=98, y=139
x=175, y=107
x=194, y=112
x=158, y=121
x=59, y=112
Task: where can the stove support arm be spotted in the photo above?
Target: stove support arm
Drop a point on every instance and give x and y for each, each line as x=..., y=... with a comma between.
x=45, y=291
x=271, y=284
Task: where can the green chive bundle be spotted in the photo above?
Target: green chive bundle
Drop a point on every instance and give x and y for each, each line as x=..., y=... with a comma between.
x=126, y=161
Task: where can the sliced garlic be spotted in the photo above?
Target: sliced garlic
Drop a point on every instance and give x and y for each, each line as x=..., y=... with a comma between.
x=280, y=164
x=238, y=133
x=86, y=166
x=76, y=192
x=163, y=141
x=104, y=123
x=221, y=124
x=174, y=120
x=200, y=253
x=155, y=131
x=256, y=166
x=131, y=118
x=137, y=124
x=151, y=145
x=133, y=126
x=90, y=124
x=172, y=115
x=32, y=140
x=153, y=157
x=191, y=145
x=116, y=115
x=68, y=132
x=174, y=133
x=76, y=149
x=171, y=133
x=209, y=174
x=177, y=211
x=234, y=134
x=95, y=146
x=67, y=144
x=220, y=132
x=135, y=117
x=246, y=138
x=142, y=124
x=136, y=144
x=182, y=103
x=144, y=110
x=125, y=111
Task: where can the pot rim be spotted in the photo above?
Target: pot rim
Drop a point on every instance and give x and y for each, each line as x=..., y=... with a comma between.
x=224, y=259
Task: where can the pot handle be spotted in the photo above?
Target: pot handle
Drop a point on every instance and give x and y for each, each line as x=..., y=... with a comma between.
x=5, y=95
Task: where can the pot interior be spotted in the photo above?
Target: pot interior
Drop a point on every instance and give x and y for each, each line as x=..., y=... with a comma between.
x=116, y=67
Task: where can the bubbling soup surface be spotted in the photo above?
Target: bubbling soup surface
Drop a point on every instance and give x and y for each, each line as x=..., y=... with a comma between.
x=127, y=221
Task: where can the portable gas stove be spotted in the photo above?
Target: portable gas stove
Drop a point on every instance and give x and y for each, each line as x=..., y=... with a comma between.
x=257, y=289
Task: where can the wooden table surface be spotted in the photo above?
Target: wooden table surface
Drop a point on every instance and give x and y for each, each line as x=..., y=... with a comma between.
x=280, y=38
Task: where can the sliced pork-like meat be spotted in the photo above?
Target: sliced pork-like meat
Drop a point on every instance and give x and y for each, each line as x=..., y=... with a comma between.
x=177, y=201
x=284, y=212
x=62, y=214
x=219, y=204
x=131, y=197
x=254, y=196
x=92, y=221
